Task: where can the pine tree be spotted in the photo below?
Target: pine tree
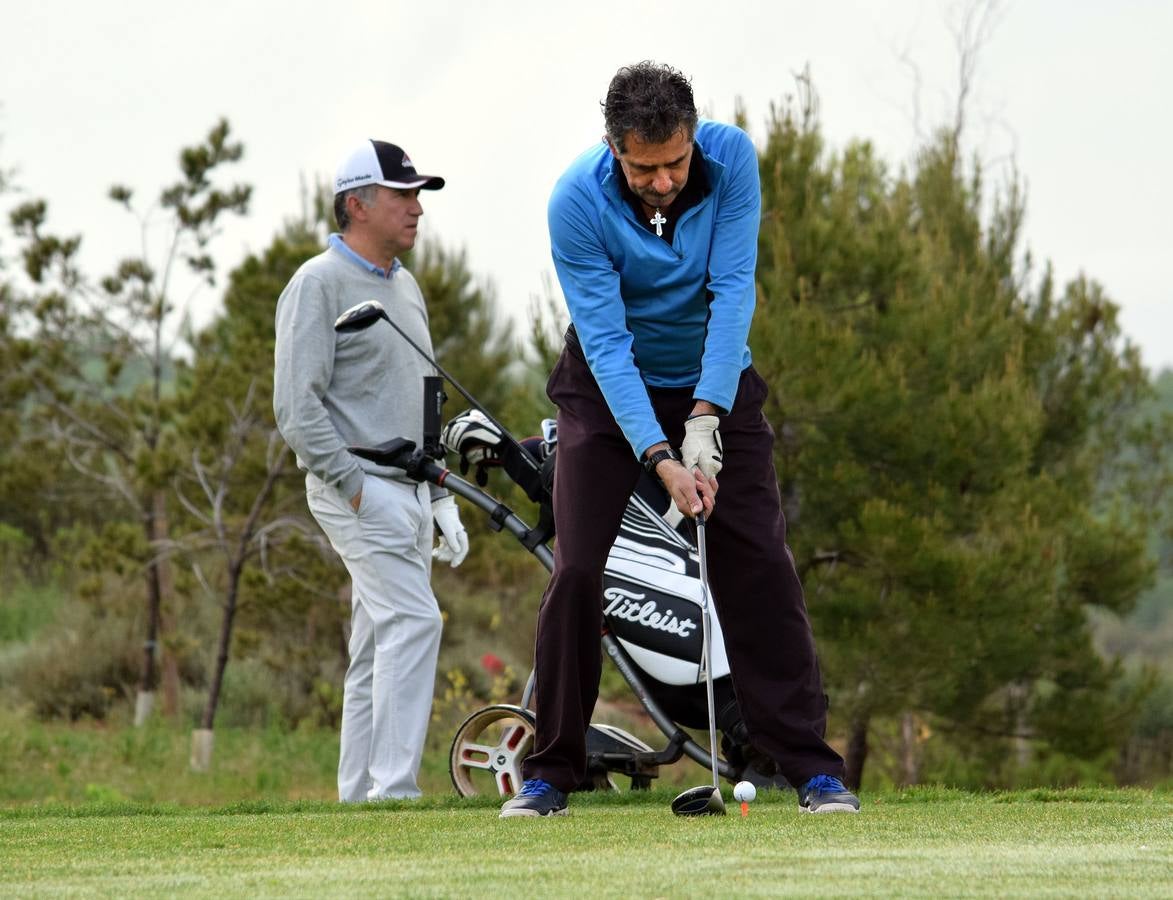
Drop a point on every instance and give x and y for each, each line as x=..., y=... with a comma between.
x=939, y=430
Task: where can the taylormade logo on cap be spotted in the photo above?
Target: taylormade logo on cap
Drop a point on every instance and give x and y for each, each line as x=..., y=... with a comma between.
x=348, y=181
x=378, y=162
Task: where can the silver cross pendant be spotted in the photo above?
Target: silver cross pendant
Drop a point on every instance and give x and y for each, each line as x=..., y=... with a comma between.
x=659, y=221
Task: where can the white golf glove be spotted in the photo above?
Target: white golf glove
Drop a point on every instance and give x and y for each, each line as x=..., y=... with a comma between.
x=453, y=546
x=702, y=445
x=473, y=438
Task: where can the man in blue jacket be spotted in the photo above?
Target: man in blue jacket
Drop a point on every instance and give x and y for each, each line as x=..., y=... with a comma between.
x=654, y=237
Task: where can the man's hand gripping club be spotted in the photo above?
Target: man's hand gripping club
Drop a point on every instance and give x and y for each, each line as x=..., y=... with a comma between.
x=692, y=482
x=702, y=444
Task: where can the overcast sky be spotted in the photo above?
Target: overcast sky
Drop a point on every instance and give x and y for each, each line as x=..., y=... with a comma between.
x=499, y=96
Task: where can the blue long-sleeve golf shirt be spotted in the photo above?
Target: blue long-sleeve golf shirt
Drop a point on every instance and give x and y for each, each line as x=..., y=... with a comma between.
x=652, y=313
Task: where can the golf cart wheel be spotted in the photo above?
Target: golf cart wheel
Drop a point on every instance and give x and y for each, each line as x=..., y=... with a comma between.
x=488, y=750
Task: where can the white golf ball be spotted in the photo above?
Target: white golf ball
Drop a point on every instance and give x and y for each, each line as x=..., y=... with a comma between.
x=744, y=792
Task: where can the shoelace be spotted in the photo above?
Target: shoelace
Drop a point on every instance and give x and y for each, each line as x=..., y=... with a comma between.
x=534, y=787
x=822, y=783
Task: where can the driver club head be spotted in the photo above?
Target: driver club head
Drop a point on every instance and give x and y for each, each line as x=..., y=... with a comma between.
x=699, y=801
x=360, y=316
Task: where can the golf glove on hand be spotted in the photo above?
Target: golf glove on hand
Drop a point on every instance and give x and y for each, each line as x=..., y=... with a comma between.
x=476, y=440
x=702, y=445
x=453, y=546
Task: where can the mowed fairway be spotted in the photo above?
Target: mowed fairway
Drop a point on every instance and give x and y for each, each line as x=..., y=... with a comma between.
x=927, y=843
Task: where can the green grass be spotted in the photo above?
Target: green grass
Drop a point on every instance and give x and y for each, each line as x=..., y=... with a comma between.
x=928, y=843
x=86, y=762
x=96, y=762
x=106, y=809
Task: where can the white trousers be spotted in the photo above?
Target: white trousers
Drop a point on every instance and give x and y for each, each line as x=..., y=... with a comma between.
x=395, y=632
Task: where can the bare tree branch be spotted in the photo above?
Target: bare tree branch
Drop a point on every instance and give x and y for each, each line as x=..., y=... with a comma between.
x=192, y=509
x=972, y=26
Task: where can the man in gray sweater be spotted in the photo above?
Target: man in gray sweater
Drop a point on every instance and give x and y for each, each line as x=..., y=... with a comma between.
x=334, y=390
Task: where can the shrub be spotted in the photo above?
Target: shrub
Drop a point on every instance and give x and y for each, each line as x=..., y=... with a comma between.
x=79, y=666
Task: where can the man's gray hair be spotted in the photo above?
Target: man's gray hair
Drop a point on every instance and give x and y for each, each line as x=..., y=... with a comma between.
x=366, y=195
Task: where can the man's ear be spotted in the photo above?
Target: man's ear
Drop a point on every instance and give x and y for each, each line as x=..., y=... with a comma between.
x=611, y=146
x=356, y=208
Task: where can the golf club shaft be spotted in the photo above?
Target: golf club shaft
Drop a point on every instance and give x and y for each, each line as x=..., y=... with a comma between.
x=465, y=394
x=707, y=641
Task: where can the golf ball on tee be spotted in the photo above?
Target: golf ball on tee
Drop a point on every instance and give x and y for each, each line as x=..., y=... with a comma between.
x=744, y=792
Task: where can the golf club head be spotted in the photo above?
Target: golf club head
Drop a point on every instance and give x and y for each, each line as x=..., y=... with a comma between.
x=699, y=801
x=360, y=316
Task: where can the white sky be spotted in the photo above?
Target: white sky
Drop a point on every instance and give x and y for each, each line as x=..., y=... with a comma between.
x=499, y=96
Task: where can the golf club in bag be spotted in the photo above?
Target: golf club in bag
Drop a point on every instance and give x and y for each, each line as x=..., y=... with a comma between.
x=655, y=595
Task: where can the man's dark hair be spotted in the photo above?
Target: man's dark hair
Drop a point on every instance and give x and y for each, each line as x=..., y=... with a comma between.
x=652, y=101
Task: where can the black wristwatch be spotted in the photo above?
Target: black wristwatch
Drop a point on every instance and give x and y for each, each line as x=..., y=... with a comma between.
x=658, y=457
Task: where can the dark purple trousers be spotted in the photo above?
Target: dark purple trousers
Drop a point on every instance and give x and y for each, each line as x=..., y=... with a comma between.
x=755, y=587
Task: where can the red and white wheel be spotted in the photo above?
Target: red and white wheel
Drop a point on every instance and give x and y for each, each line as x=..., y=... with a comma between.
x=488, y=750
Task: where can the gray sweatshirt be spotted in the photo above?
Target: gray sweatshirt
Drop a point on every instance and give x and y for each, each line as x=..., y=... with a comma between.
x=361, y=388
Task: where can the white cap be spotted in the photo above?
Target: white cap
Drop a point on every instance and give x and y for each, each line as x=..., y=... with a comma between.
x=377, y=162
